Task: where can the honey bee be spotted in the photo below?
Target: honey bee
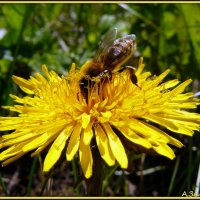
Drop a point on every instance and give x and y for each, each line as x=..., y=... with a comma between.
x=110, y=56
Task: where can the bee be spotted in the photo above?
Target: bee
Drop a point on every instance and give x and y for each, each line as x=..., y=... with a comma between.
x=109, y=58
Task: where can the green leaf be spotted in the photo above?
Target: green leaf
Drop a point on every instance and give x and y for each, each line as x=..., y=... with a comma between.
x=169, y=24
x=13, y=16
x=192, y=24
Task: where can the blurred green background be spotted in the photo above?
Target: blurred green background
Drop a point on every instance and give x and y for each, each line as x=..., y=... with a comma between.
x=168, y=36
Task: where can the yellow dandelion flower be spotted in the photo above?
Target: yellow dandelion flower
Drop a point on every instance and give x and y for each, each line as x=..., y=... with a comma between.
x=55, y=115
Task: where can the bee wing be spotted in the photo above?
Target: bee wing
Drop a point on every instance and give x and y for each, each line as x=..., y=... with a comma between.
x=105, y=43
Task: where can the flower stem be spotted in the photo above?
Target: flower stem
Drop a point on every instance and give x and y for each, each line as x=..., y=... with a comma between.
x=94, y=184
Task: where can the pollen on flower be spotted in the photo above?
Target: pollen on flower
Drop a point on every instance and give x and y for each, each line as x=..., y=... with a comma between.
x=116, y=116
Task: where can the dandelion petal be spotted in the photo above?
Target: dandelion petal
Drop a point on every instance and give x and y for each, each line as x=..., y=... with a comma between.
x=86, y=159
x=24, y=84
x=116, y=146
x=103, y=145
x=74, y=142
x=55, y=151
x=87, y=136
x=165, y=151
x=85, y=120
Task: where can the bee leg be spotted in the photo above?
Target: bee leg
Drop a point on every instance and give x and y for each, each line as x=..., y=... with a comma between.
x=133, y=77
x=84, y=87
x=106, y=73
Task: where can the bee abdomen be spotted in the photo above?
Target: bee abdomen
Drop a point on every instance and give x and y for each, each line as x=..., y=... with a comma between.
x=118, y=54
